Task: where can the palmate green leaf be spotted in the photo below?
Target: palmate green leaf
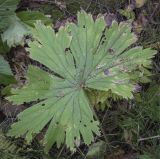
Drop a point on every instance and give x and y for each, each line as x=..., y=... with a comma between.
x=86, y=55
x=60, y=102
x=6, y=76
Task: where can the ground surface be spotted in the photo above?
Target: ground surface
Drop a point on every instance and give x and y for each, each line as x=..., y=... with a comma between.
x=129, y=126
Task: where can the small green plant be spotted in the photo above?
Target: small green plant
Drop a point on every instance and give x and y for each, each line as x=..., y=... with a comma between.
x=83, y=56
x=18, y=149
x=8, y=149
x=140, y=124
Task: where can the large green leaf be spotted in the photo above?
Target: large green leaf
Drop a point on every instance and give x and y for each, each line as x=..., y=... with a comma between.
x=15, y=26
x=30, y=17
x=60, y=102
x=21, y=25
x=15, y=32
x=11, y=27
x=7, y=9
x=86, y=55
x=6, y=76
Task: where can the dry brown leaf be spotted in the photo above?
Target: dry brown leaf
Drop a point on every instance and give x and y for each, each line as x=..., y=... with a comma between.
x=140, y=3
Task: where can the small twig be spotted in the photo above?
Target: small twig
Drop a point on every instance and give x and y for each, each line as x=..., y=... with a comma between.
x=157, y=67
x=55, y=2
x=88, y=5
x=80, y=152
x=157, y=7
x=148, y=138
x=60, y=152
x=102, y=130
x=43, y=1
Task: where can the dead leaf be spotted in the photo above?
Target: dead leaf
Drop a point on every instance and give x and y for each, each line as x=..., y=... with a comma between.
x=140, y=3
x=96, y=151
x=140, y=23
x=63, y=22
x=109, y=18
x=9, y=110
